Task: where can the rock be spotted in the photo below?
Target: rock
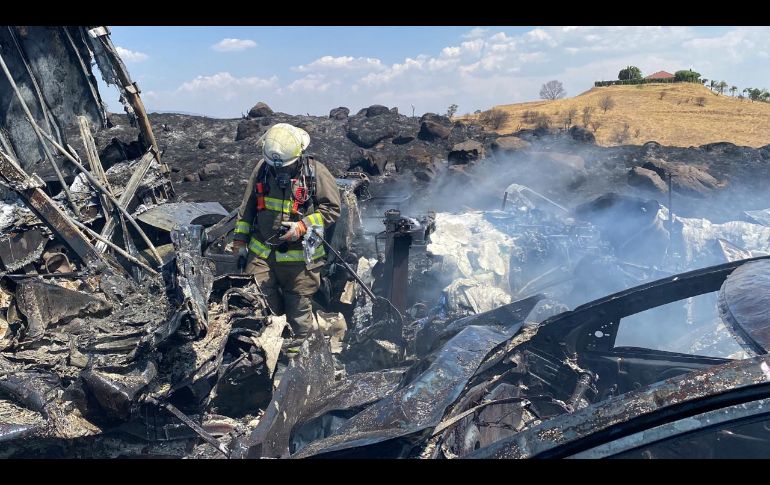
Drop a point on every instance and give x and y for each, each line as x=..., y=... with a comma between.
x=192, y=177
x=209, y=170
x=542, y=131
x=581, y=134
x=685, y=179
x=248, y=129
x=419, y=153
x=403, y=139
x=646, y=179
x=509, y=144
x=203, y=144
x=260, y=110
x=310, y=127
x=340, y=113
x=465, y=152
x=118, y=151
x=176, y=169
x=371, y=162
x=367, y=132
x=440, y=119
x=394, y=110
x=376, y=110
x=721, y=147
x=430, y=130
x=414, y=158
x=266, y=121
x=426, y=170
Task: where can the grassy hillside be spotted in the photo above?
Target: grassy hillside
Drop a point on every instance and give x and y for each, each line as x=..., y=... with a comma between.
x=667, y=113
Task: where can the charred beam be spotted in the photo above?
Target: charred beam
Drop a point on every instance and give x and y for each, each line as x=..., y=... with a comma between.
x=31, y=192
x=129, y=89
x=128, y=194
x=98, y=186
x=92, y=155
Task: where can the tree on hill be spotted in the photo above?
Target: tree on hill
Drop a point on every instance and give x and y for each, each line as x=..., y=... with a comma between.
x=712, y=84
x=587, y=112
x=721, y=87
x=552, y=90
x=569, y=117
x=755, y=94
x=606, y=103
x=688, y=75
x=450, y=112
x=733, y=89
x=630, y=73
x=495, y=118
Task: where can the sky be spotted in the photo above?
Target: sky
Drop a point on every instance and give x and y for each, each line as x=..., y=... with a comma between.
x=223, y=71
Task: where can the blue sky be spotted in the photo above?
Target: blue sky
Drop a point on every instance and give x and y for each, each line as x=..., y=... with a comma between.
x=223, y=71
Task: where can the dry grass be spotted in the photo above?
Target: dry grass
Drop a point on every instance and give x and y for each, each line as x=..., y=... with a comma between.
x=675, y=119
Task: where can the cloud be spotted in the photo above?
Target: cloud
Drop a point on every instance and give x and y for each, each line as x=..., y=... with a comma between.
x=225, y=80
x=312, y=83
x=483, y=68
x=220, y=94
x=737, y=44
x=131, y=56
x=475, y=32
x=342, y=62
x=233, y=45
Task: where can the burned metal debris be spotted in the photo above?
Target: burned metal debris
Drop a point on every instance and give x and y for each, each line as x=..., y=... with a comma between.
x=127, y=329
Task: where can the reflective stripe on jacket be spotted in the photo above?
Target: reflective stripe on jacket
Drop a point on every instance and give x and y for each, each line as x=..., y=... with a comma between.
x=258, y=227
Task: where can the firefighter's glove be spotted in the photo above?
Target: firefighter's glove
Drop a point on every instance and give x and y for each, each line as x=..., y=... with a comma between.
x=294, y=231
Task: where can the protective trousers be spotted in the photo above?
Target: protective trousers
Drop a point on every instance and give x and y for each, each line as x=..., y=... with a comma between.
x=289, y=289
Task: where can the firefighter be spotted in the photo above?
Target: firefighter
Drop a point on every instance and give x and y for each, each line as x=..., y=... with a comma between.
x=288, y=193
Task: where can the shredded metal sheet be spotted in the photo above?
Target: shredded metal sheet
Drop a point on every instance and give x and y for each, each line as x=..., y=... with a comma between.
x=421, y=403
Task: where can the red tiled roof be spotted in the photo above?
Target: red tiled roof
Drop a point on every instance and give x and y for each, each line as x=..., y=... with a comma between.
x=660, y=75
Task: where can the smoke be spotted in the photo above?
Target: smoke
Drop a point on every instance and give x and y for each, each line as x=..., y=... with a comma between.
x=635, y=240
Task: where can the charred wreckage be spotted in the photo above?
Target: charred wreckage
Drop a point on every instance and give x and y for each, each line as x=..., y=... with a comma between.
x=127, y=329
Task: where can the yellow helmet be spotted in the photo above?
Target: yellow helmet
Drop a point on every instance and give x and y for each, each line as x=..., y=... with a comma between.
x=283, y=143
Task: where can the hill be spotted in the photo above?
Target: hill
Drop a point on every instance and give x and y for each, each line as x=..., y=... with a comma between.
x=669, y=114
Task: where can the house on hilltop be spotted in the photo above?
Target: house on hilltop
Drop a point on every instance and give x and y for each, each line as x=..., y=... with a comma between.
x=660, y=75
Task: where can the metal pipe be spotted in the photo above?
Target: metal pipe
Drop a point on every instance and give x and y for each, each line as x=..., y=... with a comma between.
x=352, y=272
x=117, y=248
x=37, y=131
x=106, y=192
x=207, y=437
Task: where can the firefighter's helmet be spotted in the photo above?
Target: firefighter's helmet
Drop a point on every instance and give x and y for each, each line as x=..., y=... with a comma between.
x=283, y=144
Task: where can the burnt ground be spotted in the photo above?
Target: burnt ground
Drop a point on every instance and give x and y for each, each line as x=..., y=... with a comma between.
x=211, y=160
